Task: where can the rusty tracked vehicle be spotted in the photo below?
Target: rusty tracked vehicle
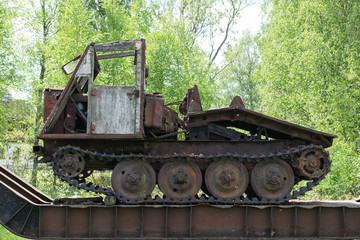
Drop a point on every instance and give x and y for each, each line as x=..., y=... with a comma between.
x=235, y=155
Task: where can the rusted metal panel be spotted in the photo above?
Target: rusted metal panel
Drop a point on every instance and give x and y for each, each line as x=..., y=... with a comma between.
x=215, y=147
x=70, y=117
x=114, y=110
x=250, y=120
x=129, y=222
x=63, y=99
x=102, y=222
x=154, y=111
x=118, y=46
x=217, y=222
x=78, y=222
x=84, y=136
x=51, y=96
x=52, y=222
x=116, y=55
x=156, y=228
x=316, y=220
x=85, y=68
x=117, y=145
x=178, y=222
x=191, y=102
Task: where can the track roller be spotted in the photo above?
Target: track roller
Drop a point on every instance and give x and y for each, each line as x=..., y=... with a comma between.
x=226, y=179
x=272, y=179
x=180, y=179
x=133, y=179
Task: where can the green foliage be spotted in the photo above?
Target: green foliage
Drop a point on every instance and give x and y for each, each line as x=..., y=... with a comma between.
x=7, y=73
x=343, y=181
x=310, y=74
x=175, y=65
x=119, y=22
x=238, y=76
x=73, y=34
x=9, y=77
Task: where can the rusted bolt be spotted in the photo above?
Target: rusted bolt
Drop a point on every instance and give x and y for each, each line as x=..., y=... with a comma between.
x=93, y=92
x=134, y=93
x=313, y=162
x=180, y=176
x=133, y=178
x=227, y=178
x=274, y=180
x=68, y=162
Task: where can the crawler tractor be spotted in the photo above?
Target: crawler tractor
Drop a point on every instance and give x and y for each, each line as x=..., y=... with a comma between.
x=233, y=154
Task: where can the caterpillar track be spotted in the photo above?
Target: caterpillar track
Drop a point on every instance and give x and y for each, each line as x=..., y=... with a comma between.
x=233, y=154
x=288, y=156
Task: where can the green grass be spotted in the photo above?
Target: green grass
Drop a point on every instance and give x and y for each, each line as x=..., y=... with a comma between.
x=5, y=234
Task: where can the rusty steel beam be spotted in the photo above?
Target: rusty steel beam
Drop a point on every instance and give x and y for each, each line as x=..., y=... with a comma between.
x=116, y=55
x=118, y=45
x=299, y=219
x=250, y=120
x=10, y=180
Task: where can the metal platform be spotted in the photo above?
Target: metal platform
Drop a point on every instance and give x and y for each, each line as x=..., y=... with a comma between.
x=28, y=213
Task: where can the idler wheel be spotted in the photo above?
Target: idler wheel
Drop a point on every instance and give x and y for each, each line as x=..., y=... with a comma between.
x=72, y=163
x=180, y=180
x=313, y=163
x=272, y=179
x=226, y=179
x=133, y=179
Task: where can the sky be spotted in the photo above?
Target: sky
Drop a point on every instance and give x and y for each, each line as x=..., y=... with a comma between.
x=250, y=18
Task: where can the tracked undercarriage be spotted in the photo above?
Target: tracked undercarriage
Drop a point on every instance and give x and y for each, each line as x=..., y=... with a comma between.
x=222, y=190
x=233, y=154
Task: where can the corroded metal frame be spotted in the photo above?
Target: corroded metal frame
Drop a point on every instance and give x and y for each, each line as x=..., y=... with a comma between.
x=137, y=49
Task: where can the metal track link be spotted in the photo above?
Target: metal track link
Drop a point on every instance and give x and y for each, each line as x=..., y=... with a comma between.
x=287, y=155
